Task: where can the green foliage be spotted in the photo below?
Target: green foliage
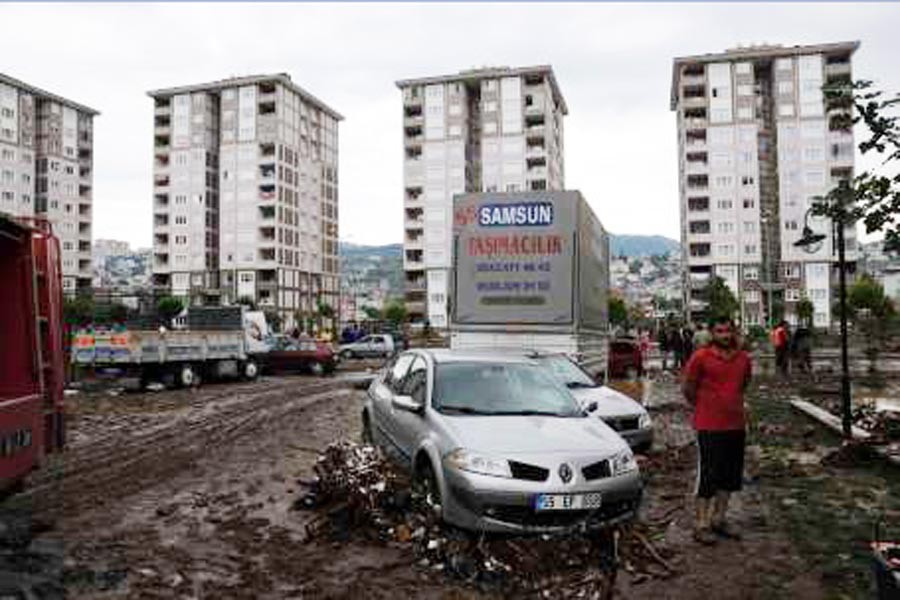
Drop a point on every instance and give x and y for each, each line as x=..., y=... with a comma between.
x=866, y=298
x=757, y=333
x=247, y=301
x=618, y=312
x=805, y=311
x=274, y=320
x=395, y=312
x=635, y=267
x=325, y=310
x=373, y=314
x=78, y=311
x=108, y=314
x=722, y=302
x=873, y=197
x=169, y=307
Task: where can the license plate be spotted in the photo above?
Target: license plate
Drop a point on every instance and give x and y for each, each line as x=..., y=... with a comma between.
x=566, y=501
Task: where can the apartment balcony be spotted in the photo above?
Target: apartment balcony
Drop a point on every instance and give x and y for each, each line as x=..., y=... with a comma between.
x=415, y=308
x=697, y=182
x=413, y=259
x=161, y=182
x=695, y=123
x=84, y=172
x=84, y=210
x=415, y=286
x=837, y=69
x=267, y=192
x=693, y=80
x=413, y=142
x=536, y=172
x=699, y=280
x=535, y=152
x=696, y=168
x=267, y=172
x=414, y=172
x=266, y=256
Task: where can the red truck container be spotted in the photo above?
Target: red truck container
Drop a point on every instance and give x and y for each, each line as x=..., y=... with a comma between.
x=31, y=351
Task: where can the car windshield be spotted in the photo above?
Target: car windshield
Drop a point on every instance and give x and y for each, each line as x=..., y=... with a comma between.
x=567, y=372
x=500, y=389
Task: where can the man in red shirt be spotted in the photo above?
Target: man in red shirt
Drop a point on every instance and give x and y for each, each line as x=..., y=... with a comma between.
x=714, y=382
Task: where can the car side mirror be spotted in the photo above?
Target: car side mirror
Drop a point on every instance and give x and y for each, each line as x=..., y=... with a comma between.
x=590, y=407
x=407, y=403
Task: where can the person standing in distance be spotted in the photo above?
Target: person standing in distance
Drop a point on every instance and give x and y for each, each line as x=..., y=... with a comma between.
x=715, y=379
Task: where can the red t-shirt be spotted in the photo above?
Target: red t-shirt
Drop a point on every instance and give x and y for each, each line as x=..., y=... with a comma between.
x=720, y=388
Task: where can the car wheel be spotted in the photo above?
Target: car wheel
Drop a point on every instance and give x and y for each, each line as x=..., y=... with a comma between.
x=347, y=355
x=631, y=373
x=187, y=377
x=316, y=369
x=250, y=370
x=426, y=488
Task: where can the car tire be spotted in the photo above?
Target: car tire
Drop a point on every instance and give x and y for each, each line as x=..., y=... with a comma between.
x=250, y=370
x=426, y=488
x=316, y=369
x=631, y=373
x=347, y=355
x=186, y=376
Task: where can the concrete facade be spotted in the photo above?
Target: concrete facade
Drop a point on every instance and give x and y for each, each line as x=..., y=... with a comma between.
x=496, y=129
x=246, y=195
x=46, y=169
x=757, y=142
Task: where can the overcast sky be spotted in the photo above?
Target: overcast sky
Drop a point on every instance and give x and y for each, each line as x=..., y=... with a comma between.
x=613, y=64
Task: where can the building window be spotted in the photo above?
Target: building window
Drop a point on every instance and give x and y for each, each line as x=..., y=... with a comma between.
x=751, y=295
x=790, y=225
x=784, y=64
x=785, y=87
x=818, y=294
x=747, y=180
x=749, y=227
x=723, y=204
x=725, y=228
x=792, y=294
x=791, y=271
x=743, y=68
x=751, y=273
x=750, y=249
x=786, y=110
x=813, y=153
x=745, y=112
x=749, y=203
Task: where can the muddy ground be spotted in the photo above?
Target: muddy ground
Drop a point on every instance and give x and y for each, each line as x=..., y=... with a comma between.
x=191, y=494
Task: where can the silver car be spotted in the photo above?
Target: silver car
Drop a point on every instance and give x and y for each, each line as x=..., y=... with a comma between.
x=497, y=444
x=622, y=413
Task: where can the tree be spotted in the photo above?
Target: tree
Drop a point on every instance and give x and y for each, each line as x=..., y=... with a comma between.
x=871, y=197
x=805, y=311
x=168, y=308
x=870, y=310
x=247, y=301
x=395, y=312
x=618, y=312
x=373, y=314
x=720, y=299
x=325, y=310
x=111, y=313
x=274, y=320
x=78, y=311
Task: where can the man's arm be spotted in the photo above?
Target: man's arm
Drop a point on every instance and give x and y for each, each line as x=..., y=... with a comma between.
x=691, y=373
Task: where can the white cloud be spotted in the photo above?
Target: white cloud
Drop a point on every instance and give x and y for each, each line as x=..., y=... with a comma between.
x=613, y=64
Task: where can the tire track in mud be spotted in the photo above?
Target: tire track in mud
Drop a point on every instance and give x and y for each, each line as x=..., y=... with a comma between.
x=120, y=465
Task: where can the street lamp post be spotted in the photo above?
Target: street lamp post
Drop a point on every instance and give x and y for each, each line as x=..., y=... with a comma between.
x=811, y=242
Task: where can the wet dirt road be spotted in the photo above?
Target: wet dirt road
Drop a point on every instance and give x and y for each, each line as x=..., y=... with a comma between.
x=190, y=494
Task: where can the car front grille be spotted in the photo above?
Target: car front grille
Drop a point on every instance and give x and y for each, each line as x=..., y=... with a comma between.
x=597, y=470
x=623, y=424
x=527, y=516
x=528, y=472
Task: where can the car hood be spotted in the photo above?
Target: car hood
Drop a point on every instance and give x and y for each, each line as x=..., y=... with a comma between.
x=610, y=403
x=532, y=434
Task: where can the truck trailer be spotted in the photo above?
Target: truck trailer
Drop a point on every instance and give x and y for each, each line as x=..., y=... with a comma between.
x=531, y=272
x=31, y=351
x=216, y=342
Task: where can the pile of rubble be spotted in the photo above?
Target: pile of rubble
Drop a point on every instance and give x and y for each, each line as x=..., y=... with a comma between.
x=356, y=493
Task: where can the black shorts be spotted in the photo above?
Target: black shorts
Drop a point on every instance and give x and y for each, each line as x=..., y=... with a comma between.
x=721, y=461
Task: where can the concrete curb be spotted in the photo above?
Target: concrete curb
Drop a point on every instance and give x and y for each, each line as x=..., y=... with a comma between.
x=833, y=422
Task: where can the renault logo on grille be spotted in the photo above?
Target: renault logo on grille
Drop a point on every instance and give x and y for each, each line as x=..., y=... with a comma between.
x=565, y=473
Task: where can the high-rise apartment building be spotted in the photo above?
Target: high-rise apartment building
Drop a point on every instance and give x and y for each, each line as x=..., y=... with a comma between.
x=46, y=169
x=484, y=130
x=245, y=195
x=757, y=142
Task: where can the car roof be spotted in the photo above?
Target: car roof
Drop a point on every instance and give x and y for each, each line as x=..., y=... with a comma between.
x=443, y=355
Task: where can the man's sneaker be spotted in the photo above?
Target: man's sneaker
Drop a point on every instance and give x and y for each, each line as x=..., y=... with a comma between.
x=705, y=537
x=726, y=531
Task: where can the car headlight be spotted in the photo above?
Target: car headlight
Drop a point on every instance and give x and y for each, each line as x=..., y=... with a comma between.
x=473, y=462
x=645, y=422
x=623, y=463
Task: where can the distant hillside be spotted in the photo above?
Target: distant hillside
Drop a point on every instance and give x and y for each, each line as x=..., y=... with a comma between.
x=641, y=245
x=354, y=250
x=629, y=245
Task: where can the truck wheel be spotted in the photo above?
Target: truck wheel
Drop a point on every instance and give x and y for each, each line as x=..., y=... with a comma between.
x=250, y=370
x=187, y=377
